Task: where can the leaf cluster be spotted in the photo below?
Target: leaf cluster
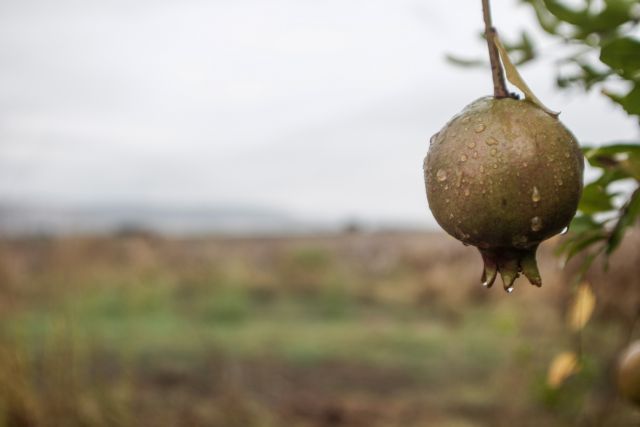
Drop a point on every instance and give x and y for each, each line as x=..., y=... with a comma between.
x=602, y=51
x=606, y=211
x=598, y=48
x=604, y=46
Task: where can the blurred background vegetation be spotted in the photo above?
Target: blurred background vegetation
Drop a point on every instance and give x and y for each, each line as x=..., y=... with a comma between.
x=357, y=329
x=351, y=328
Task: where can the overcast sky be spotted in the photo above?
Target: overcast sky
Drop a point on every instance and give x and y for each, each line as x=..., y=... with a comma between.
x=319, y=108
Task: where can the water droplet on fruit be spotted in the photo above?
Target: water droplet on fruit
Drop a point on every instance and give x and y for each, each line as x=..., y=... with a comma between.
x=480, y=127
x=536, y=223
x=441, y=175
x=471, y=144
x=463, y=158
x=535, y=196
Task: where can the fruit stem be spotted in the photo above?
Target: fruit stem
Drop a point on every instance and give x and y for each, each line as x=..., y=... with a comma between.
x=499, y=85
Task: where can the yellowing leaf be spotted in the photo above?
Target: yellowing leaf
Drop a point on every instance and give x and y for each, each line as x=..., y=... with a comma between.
x=582, y=307
x=562, y=367
x=516, y=79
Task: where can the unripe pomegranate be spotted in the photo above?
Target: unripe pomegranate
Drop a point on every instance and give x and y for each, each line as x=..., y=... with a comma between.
x=504, y=175
x=628, y=374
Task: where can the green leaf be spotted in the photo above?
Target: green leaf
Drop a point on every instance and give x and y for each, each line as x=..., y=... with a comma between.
x=614, y=14
x=527, y=47
x=586, y=77
x=578, y=18
x=630, y=102
x=522, y=50
x=623, y=55
x=464, y=62
x=595, y=199
x=611, y=149
x=621, y=160
x=582, y=242
x=609, y=176
x=629, y=216
x=547, y=21
x=583, y=223
x=632, y=167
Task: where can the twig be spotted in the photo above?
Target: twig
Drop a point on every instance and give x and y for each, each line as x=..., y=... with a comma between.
x=499, y=85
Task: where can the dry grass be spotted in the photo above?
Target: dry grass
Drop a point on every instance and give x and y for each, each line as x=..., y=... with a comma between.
x=388, y=329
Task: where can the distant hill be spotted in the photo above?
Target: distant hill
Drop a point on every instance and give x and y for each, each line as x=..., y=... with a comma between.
x=41, y=219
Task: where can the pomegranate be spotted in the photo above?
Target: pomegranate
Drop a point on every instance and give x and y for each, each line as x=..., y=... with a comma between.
x=503, y=175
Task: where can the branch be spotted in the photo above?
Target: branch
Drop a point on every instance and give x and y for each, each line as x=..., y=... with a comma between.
x=499, y=85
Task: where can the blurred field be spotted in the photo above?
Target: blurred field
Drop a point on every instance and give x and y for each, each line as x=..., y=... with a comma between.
x=388, y=329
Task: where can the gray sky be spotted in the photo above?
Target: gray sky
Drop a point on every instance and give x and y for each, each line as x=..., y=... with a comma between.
x=322, y=109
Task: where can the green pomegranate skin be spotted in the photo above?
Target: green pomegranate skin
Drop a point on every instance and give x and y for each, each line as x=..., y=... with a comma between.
x=503, y=175
x=628, y=373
